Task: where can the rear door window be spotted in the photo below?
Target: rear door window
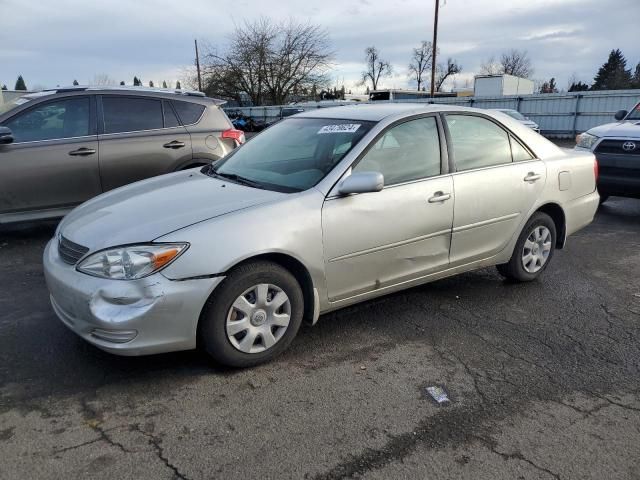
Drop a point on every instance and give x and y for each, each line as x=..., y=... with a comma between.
x=477, y=142
x=170, y=119
x=188, y=112
x=64, y=118
x=127, y=114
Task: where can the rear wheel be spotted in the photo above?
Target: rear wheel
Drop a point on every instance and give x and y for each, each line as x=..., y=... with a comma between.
x=253, y=315
x=533, y=250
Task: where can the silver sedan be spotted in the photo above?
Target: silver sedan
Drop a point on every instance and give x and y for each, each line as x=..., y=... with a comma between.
x=322, y=210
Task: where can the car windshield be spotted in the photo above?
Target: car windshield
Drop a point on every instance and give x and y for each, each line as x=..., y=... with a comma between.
x=292, y=155
x=514, y=114
x=5, y=107
x=634, y=114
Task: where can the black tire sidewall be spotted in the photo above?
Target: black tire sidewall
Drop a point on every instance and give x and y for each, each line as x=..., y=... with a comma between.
x=539, y=219
x=212, y=331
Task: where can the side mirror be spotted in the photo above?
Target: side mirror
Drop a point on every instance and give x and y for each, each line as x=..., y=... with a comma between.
x=620, y=114
x=6, y=136
x=361, y=182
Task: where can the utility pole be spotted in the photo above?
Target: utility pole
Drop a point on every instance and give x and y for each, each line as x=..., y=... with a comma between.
x=198, y=67
x=433, y=56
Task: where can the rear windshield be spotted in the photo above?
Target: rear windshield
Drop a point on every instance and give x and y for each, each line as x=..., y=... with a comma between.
x=294, y=154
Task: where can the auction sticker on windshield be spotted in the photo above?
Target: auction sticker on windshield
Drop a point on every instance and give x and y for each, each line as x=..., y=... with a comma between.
x=343, y=128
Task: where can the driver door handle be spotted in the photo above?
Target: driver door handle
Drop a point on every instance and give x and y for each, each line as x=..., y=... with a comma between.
x=439, y=197
x=175, y=144
x=82, y=152
x=532, y=177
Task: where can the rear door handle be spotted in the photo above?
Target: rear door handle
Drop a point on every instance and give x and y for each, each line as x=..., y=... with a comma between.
x=439, y=197
x=82, y=152
x=532, y=177
x=175, y=144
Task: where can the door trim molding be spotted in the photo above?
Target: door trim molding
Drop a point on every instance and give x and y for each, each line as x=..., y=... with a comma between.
x=389, y=245
x=483, y=223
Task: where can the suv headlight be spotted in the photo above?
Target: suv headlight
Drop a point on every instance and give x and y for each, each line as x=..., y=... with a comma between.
x=131, y=262
x=586, y=140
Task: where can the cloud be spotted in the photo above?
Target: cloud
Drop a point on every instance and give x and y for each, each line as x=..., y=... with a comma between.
x=53, y=43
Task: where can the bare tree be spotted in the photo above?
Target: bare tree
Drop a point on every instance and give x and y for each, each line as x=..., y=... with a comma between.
x=516, y=62
x=376, y=67
x=446, y=71
x=268, y=61
x=420, y=62
x=490, y=67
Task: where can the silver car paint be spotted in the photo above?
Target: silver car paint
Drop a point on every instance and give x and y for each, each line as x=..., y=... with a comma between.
x=318, y=228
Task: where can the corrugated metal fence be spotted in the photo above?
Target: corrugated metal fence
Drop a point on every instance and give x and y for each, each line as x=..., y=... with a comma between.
x=558, y=114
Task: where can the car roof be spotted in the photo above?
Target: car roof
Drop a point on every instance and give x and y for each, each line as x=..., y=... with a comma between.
x=375, y=113
x=123, y=90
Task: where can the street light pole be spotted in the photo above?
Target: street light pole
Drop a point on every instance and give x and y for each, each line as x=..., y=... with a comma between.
x=433, y=56
x=198, y=67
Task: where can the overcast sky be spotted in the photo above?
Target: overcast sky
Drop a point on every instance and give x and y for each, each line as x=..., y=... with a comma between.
x=53, y=42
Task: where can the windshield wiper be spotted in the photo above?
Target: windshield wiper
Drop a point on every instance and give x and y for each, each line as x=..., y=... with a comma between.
x=236, y=178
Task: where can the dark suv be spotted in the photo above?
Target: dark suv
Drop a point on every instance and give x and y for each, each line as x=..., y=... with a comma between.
x=61, y=147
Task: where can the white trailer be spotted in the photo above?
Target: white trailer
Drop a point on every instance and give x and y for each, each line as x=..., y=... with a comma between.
x=500, y=85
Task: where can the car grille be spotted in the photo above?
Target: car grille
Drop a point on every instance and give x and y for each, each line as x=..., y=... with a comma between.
x=70, y=252
x=616, y=147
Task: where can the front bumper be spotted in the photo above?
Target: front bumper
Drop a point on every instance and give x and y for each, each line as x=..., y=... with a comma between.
x=619, y=174
x=137, y=317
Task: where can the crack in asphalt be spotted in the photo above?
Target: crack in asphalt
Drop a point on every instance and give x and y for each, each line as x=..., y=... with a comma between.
x=155, y=443
x=492, y=446
x=94, y=419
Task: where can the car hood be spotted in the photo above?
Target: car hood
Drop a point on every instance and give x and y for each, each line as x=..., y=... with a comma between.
x=146, y=210
x=630, y=128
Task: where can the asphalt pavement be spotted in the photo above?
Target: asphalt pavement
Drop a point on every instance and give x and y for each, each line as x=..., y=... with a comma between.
x=543, y=380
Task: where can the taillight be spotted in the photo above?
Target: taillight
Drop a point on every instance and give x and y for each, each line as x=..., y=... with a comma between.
x=596, y=169
x=234, y=134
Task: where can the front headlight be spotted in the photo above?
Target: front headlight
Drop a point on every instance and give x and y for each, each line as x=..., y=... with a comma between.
x=586, y=140
x=131, y=262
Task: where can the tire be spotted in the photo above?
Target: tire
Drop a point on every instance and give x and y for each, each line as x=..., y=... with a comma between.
x=240, y=325
x=517, y=269
x=603, y=198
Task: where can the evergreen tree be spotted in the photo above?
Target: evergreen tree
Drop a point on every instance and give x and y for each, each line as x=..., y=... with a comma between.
x=151, y=83
x=578, y=87
x=636, y=77
x=549, y=87
x=122, y=83
x=20, y=85
x=178, y=87
x=164, y=84
x=136, y=82
x=75, y=83
x=613, y=75
x=4, y=87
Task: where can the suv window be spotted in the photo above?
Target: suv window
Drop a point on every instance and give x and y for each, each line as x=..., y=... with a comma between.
x=188, y=112
x=65, y=118
x=170, y=119
x=477, y=142
x=126, y=114
x=406, y=152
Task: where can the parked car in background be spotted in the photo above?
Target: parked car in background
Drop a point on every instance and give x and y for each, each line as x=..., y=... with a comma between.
x=527, y=122
x=61, y=147
x=324, y=209
x=617, y=148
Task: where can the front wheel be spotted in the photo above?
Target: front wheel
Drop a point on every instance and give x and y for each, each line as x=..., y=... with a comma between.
x=252, y=316
x=533, y=251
